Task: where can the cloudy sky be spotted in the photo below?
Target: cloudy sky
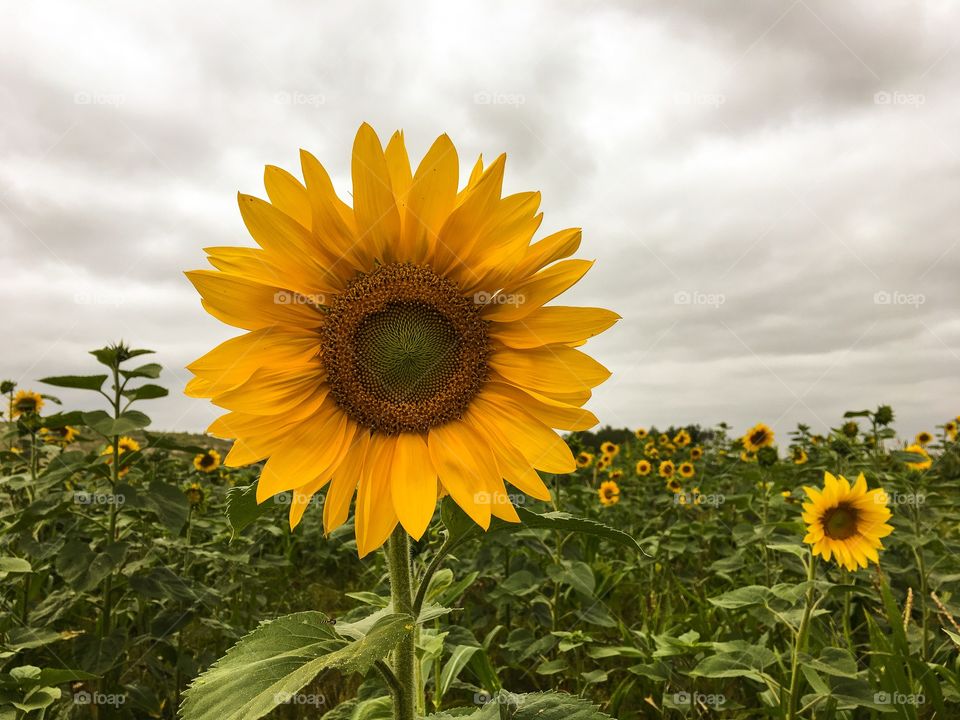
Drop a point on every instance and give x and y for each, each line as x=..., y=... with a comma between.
x=770, y=189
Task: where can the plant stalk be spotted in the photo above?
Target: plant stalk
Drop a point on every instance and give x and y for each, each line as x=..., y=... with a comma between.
x=801, y=640
x=405, y=654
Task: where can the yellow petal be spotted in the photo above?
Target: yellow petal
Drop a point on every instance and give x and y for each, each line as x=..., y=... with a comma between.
x=375, y=517
x=332, y=224
x=249, y=305
x=549, y=325
x=431, y=199
x=549, y=369
x=527, y=296
x=301, y=497
x=374, y=205
x=466, y=467
x=287, y=194
x=512, y=465
x=274, y=392
x=541, y=446
x=336, y=506
x=413, y=484
x=548, y=250
x=398, y=166
x=549, y=412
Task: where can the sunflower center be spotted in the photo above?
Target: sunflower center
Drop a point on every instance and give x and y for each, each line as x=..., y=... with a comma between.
x=758, y=437
x=206, y=460
x=840, y=522
x=404, y=350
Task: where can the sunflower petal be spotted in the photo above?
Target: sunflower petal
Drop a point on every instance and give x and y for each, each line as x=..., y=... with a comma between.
x=413, y=484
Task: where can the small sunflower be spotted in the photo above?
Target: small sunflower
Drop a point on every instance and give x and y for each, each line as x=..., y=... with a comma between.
x=757, y=437
x=924, y=438
x=609, y=493
x=920, y=464
x=696, y=453
x=669, y=448
x=644, y=467
x=641, y=433
x=951, y=429
x=610, y=449
x=651, y=451
x=663, y=439
x=846, y=522
x=399, y=349
x=616, y=474
x=697, y=497
x=61, y=436
x=682, y=438
x=26, y=402
x=604, y=462
x=799, y=456
x=686, y=470
x=850, y=429
x=666, y=469
x=749, y=457
x=126, y=445
x=584, y=460
x=207, y=462
x=674, y=485
x=194, y=494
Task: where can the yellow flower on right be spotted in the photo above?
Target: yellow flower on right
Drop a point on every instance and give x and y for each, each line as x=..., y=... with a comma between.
x=846, y=523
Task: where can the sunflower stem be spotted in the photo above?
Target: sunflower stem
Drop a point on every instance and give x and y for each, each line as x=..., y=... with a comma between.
x=404, y=656
x=801, y=640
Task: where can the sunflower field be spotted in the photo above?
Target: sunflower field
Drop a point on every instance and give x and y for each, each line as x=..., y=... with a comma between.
x=385, y=523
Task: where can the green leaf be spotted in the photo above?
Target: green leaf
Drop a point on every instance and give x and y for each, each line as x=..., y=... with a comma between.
x=128, y=421
x=146, y=392
x=742, y=597
x=150, y=370
x=278, y=659
x=13, y=565
x=451, y=670
x=242, y=508
x=747, y=663
x=80, y=382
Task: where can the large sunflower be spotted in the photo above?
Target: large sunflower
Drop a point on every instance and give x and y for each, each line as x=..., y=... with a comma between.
x=401, y=348
x=846, y=522
x=757, y=438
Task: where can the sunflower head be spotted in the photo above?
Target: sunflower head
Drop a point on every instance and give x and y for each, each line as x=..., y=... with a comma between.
x=194, y=494
x=748, y=457
x=26, y=402
x=682, y=438
x=923, y=438
x=651, y=451
x=757, y=437
x=644, y=467
x=950, y=429
x=883, y=415
x=925, y=463
x=609, y=448
x=686, y=470
x=125, y=445
x=641, y=433
x=674, y=485
x=667, y=469
x=850, y=429
x=609, y=493
x=846, y=523
x=663, y=439
x=604, y=462
x=401, y=348
x=584, y=460
x=207, y=462
x=61, y=436
x=799, y=455
x=696, y=453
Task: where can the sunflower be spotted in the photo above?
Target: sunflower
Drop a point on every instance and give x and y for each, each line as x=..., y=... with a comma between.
x=697, y=497
x=26, y=402
x=616, y=474
x=682, y=438
x=799, y=456
x=651, y=451
x=604, y=462
x=686, y=470
x=194, y=494
x=610, y=449
x=61, y=436
x=584, y=460
x=846, y=522
x=748, y=456
x=951, y=429
x=126, y=445
x=399, y=349
x=641, y=433
x=924, y=464
x=663, y=439
x=609, y=493
x=674, y=485
x=644, y=467
x=759, y=436
x=666, y=469
x=924, y=438
x=696, y=453
x=207, y=462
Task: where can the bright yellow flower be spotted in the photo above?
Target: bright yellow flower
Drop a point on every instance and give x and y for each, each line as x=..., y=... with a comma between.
x=207, y=462
x=951, y=429
x=748, y=456
x=666, y=469
x=644, y=467
x=616, y=474
x=799, y=456
x=610, y=449
x=609, y=493
x=924, y=438
x=696, y=453
x=400, y=348
x=686, y=470
x=757, y=437
x=61, y=436
x=604, y=462
x=920, y=464
x=641, y=433
x=126, y=445
x=845, y=522
x=682, y=438
x=673, y=485
x=663, y=439
x=26, y=402
x=584, y=460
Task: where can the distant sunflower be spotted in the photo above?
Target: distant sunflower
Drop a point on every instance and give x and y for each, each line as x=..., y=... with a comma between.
x=757, y=437
x=641, y=433
x=951, y=429
x=584, y=460
x=125, y=445
x=604, y=462
x=609, y=448
x=924, y=464
x=846, y=522
x=207, y=462
x=666, y=469
x=674, y=485
x=401, y=348
x=609, y=493
x=748, y=456
x=696, y=453
x=663, y=439
x=644, y=467
x=194, y=494
x=26, y=402
x=61, y=436
x=616, y=474
x=799, y=456
x=682, y=438
x=686, y=470
x=651, y=451
x=924, y=438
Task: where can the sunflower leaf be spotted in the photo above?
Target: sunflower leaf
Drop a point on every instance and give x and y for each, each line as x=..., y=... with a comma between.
x=79, y=382
x=269, y=666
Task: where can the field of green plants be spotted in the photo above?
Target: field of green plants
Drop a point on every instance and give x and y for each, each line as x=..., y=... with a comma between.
x=667, y=577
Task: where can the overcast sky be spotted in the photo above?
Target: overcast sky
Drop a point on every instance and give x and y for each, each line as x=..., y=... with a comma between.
x=770, y=189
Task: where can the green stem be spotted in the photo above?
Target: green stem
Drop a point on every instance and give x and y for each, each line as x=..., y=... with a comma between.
x=405, y=656
x=801, y=640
